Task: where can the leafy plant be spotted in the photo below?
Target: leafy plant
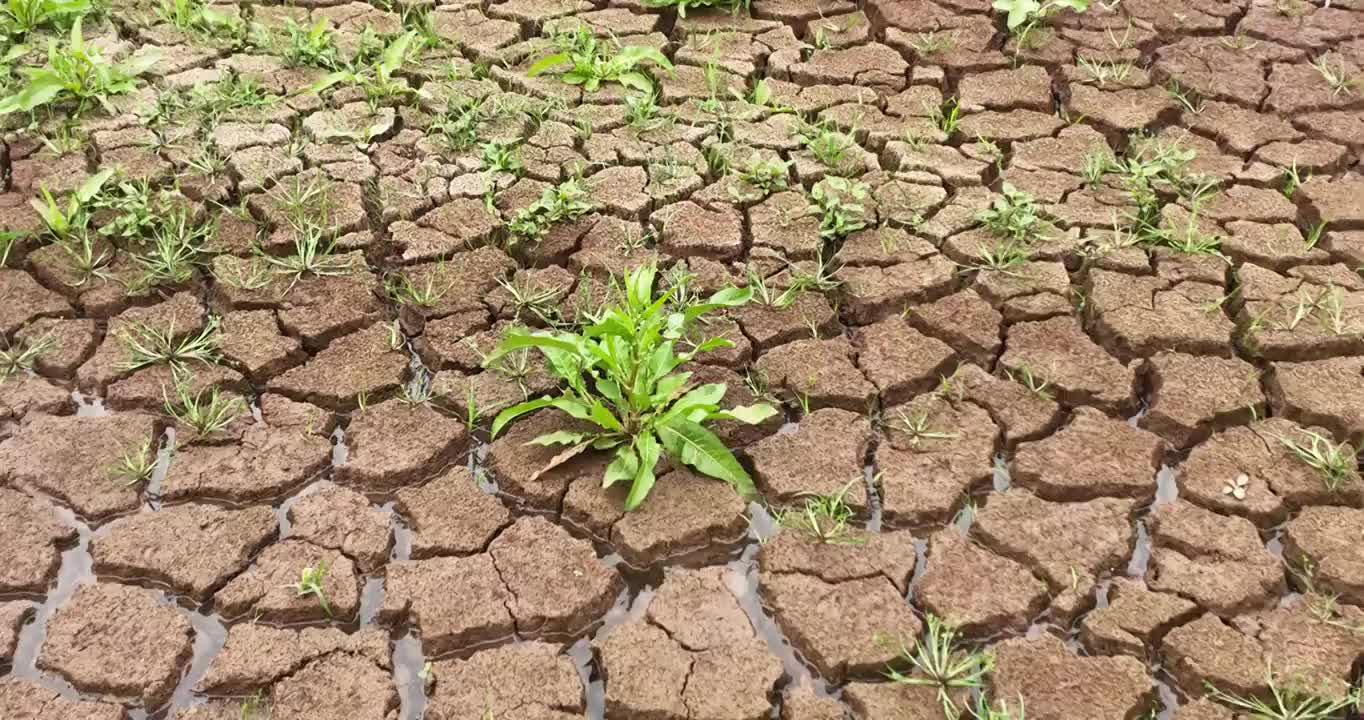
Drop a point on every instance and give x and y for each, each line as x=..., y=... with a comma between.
x=459, y=125
x=173, y=252
x=309, y=45
x=206, y=411
x=77, y=72
x=938, y=662
x=313, y=255
x=1335, y=463
x=1013, y=214
x=134, y=208
x=838, y=203
x=8, y=240
x=310, y=583
x=1023, y=16
x=566, y=201
x=61, y=221
x=592, y=62
x=404, y=291
x=683, y=6
x=826, y=143
x=918, y=427
x=379, y=80
x=947, y=116
x=1287, y=703
x=18, y=18
x=194, y=16
x=622, y=377
x=765, y=174
x=824, y=518
x=135, y=466
x=502, y=157
x=148, y=345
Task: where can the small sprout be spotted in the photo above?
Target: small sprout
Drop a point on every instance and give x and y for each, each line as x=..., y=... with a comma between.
x=1102, y=72
x=948, y=116
x=1335, y=463
x=824, y=518
x=253, y=708
x=917, y=427
x=1337, y=76
x=590, y=62
x=1096, y=163
x=1013, y=214
x=310, y=583
x=1237, y=487
x=426, y=293
x=502, y=157
x=929, y=43
x=1187, y=99
x=937, y=661
x=1024, y=375
x=313, y=255
x=23, y=354
x=1287, y=703
x=568, y=200
x=838, y=203
x=136, y=465
x=1292, y=179
x=206, y=415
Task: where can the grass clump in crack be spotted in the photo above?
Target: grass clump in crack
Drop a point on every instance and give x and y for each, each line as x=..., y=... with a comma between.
x=838, y=202
x=734, y=6
x=592, y=62
x=568, y=200
x=147, y=345
x=1336, y=463
x=20, y=357
x=1288, y=702
x=824, y=518
x=938, y=661
x=207, y=410
x=621, y=371
x=136, y=465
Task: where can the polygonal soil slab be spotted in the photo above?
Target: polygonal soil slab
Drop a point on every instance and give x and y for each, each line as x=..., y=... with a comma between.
x=771, y=325
x=1138, y=316
x=13, y=615
x=858, y=555
x=1092, y=456
x=268, y=589
x=937, y=450
x=1330, y=538
x=1057, y=352
x=31, y=531
x=86, y=450
x=685, y=512
x=824, y=454
x=1054, y=683
x=1215, y=560
x=24, y=699
x=271, y=460
x=836, y=626
x=869, y=293
x=1306, y=314
x=900, y=361
x=558, y=584
x=1257, y=458
x=957, y=569
x=1191, y=396
x=339, y=685
x=330, y=516
x=516, y=680
x=25, y=299
x=451, y=515
x=419, y=592
x=362, y=363
x=255, y=656
x=1329, y=393
x=523, y=469
x=396, y=442
x=1021, y=413
x=821, y=371
x=120, y=641
x=1134, y=620
x=191, y=548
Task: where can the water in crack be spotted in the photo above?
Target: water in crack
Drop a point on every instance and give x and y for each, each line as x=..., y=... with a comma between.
x=408, y=663
x=339, y=450
x=741, y=577
x=920, y=563
x=77, y=568
x=629, y=607
x=1167, y=488
x=209, y=636
x=93, y=408
x=152, y=491
x=1141, y=554
x=371, y=600
x=1000, y=476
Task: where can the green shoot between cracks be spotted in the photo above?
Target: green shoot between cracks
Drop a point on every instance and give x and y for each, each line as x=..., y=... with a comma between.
x=683, y=6
x=592, y=62
x=824, y=518
x=622, y=377
x=1287, y=702
x=78, y=72
x=310, y=583
x=938, y=661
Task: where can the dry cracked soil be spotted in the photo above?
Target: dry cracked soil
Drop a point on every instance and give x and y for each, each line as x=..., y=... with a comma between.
x=1071, y=321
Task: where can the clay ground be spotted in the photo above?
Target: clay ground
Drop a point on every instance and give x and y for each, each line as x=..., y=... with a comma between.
x=1121, y=460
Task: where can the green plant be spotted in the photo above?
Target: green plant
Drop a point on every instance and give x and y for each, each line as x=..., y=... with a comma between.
x=985, y=710
x=929, y=43
x=1023, y=16
x=566, y=201
x=824, y=518
x=233, y=93
x=77, y=72
x=682, y=6
x=309, y=45
x=1025, y=376
x=766, y=173
x=134, y=208
x=918, y=427
x=592, y=62
x=1287, y=703
x=541, y=302
x=622, y=377
x=947, y=116
x=1187, y=99
x=60, y=222
x=8, y=240
x=428, y=293
x=642, y=111
x=1336, y=463
x=253, y=707
x=937, y=661
x=135, y=466
x=310, y=583
x=502, y=157
x=1013, y=214
x=194, y=16
x=1095, y=164
x=20, y=357
x=148, y=345
x=459, y=125
x=1102, y=72
x=1292, y=179
x=826, y=143
x=86, y=256
x=379, y=80
x=313, y=255
x=206, y=411
x=18, y=18
x=838, y=203
x=1337, y=76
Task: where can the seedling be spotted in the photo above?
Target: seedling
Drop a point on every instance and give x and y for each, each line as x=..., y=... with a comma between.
x=85, y=257
x=1336, y=463
x=826, y=143
x=1038, y=386
x=682, y=6
x=148, y=345
x=947, y=116
x=1188, y=99
x=929, y=43
x=60, y=222
x=23, y=354
x=621, y=377
x=1002, y=257
x=1292, y=180
x=18, y=18
x=568, y=200
x=937, y=661
x=1337, y=76
x=77, y=72
x=193, y=16
x=174, y=251
x=1287, y=703
x=426, y=294
x=1013, y=214
x=591, y=62
x=838, y=203
x=309, y=45
x=207, y=410
x=1095, y=164
x=1103, y=72
x=460, y=124
x=313, y=255
x=1024, y=16
x=231, y=94
x=379, y=80
x=310, y=583
x=917, y=427
x=824, y=518
x=253, y=708
x=502, y=157
x=541, y=302
x=136, y=465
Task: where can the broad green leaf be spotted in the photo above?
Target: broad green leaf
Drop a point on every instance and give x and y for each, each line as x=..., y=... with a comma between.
x=546, y=63
x=92, y=185
x=517, y=411
x=573, y=406
x=395, y=53
x=141, y=62
x=708, y=395
x=602, y=416
x=693, y=445
x=668, y=386
x=637, y=81
x=646, y=445
x=623, y=467
x=559, y=437
x=517, y=340
x=330, y=79
x=747, y=414
x=635, y=54
x=639, y=286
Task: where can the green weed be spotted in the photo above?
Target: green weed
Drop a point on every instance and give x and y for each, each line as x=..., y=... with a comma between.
x=566, y=201
x=1024, y=16
x=1336, y=463
x=1013, y=214
x=18, y=18
x=20, y=356
x=1337, y=76
x=146, y=345
x=621, y=375
x=60, y=221
x=937, y=661
x=80, y=73
x=1286, y=703
x=379, y=79
x=314, y=254
x=305, y=45
x=838, y=202
x=734, y=6
x=135, y=466
x=824, y=518
x=310, y=583
x=592, y=62
x=206, y=411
